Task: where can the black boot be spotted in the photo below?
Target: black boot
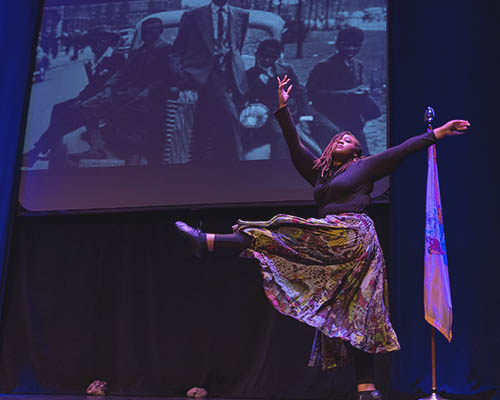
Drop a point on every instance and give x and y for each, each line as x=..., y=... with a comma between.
x=197, y=239
x=369, y=395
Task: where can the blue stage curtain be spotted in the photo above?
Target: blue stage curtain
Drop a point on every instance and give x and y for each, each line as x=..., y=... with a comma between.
x=18, y=20
x=439, y=57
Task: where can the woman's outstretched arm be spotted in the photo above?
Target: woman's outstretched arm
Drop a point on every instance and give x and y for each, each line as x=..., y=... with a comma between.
x=302, y=158
x=382, y=164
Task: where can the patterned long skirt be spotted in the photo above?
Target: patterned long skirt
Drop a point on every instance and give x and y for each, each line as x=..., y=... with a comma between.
x=330, y=274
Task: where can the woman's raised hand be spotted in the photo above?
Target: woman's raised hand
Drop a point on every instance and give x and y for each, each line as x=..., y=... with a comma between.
x=452, y=128
x=283, y=94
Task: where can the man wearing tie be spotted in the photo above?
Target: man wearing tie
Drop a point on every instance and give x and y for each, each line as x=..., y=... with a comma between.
x=207, y=51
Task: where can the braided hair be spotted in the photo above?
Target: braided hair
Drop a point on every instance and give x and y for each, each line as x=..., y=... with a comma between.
x=325, y=162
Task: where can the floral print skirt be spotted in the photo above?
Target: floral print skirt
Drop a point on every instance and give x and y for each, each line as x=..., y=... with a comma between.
x=328, y=273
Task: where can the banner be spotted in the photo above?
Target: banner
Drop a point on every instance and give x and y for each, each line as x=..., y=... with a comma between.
x=437, y=298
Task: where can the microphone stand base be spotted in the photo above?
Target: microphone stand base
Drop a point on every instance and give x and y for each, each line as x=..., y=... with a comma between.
x=433, y=396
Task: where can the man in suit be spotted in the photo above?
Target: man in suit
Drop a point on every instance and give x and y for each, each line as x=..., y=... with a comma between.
x=133, y=99
x=315, y=133
x=207, y=52
x=336, y=89
x=67, y=116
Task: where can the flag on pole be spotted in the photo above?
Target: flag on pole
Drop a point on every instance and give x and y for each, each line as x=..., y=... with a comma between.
x=437, y=298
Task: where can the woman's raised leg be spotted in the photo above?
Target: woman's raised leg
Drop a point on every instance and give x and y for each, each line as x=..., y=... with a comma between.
x=208, y=242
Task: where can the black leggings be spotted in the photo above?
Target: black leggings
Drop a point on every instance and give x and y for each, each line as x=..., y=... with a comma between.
x=363, y=366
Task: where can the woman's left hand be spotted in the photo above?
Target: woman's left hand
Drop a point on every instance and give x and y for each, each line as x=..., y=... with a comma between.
x=452, y=128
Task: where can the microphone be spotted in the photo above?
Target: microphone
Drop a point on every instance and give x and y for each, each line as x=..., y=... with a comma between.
x=429, y=115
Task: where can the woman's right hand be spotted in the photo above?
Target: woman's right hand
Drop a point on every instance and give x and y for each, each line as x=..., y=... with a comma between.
x=283, y=94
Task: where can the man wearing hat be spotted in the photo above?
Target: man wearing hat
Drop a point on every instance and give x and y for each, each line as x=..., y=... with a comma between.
x=335, y=87
x=67, y=116
x=133, y=100
x=105, y=61
x=262, y=89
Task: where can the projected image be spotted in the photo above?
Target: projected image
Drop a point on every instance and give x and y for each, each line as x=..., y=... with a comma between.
x=159, y=83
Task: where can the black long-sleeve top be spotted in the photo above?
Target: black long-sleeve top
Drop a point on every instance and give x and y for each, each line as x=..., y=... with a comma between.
x=350, y=190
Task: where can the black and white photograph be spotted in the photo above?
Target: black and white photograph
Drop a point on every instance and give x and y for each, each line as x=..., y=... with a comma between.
x=155, y=83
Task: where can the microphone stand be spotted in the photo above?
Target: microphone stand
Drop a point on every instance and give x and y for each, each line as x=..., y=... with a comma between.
x=428, y=118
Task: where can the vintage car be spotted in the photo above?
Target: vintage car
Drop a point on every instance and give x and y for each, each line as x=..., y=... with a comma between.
x=125, y=41
x=262, y=25
x=179, y=112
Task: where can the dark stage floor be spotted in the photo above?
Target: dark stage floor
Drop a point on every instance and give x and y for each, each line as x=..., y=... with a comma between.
x=490, y=395
x=84, y=397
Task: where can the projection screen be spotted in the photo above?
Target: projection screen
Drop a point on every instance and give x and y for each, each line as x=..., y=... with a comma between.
x=159, y=103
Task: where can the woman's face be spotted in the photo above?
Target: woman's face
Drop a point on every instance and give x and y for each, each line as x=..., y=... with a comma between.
x=345, y=148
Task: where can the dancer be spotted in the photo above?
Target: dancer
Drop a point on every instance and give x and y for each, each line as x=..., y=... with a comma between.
x=328, y=272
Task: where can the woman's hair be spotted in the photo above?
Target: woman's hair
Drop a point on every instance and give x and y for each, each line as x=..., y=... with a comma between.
x=325, y=162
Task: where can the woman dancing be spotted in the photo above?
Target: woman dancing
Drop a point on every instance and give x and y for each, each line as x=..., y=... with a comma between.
x=328, y=272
